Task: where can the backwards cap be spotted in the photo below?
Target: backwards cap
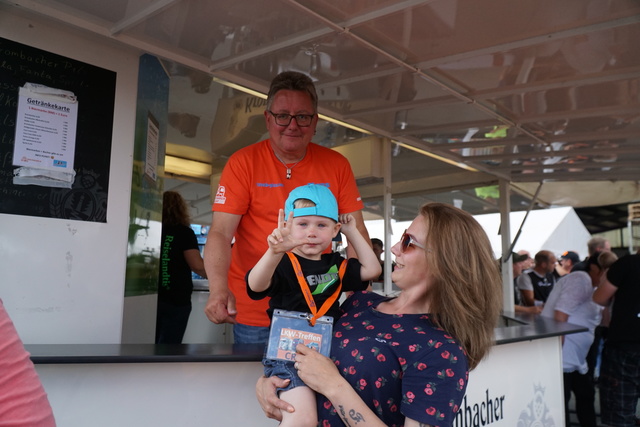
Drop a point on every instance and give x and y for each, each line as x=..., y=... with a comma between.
x=574, y=257
x=325, y=202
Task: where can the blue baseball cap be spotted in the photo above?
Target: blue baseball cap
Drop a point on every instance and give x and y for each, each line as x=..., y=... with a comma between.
x=325, y=202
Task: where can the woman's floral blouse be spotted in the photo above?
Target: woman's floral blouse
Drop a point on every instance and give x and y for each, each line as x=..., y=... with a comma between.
x=401, y=365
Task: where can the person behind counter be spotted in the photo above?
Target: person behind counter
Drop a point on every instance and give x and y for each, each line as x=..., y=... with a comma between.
x=389, y=353
x=378, y=249
x=180, y=256
x=254, y=185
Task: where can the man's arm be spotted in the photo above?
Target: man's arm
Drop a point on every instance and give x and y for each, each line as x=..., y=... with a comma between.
x=560, y=316
x=603, y=294
x=221, y=306
x=526, y=289
x=534, y=309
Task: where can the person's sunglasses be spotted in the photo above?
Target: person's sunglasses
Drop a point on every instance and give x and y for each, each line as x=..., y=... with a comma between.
x=407, y=240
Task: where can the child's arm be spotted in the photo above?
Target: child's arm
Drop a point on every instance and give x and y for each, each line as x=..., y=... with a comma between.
x=259, y=278
x=370, y=266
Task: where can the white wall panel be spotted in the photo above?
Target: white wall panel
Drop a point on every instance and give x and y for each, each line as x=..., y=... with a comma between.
x=62, y=281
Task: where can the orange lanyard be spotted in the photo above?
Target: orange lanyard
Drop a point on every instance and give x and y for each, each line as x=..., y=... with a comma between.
x=304, y=286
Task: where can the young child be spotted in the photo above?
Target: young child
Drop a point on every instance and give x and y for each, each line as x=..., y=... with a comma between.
x=312, y=222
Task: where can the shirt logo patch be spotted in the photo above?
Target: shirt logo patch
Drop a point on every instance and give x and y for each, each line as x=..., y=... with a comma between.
x=323, y=281
x=269, y=185
x=221, y=197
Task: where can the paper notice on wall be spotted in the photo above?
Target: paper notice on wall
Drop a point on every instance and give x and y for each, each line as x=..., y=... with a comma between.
x=45, y=140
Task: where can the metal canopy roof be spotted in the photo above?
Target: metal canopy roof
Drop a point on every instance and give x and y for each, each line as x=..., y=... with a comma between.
x=529, y=91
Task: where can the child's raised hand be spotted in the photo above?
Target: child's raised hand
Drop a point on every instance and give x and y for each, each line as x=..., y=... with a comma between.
x=280, y=239
x=348, y=224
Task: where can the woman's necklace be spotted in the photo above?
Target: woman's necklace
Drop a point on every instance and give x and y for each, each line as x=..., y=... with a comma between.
x=289, y=167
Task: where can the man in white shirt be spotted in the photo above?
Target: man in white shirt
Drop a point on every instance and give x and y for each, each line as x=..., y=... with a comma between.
x=571, y=301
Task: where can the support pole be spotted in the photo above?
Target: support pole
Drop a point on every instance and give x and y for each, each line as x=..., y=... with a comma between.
x=506, y=259
x=387, y=147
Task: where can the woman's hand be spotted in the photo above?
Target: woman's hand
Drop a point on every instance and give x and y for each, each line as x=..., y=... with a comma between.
x=268, y=397
x=317, y=371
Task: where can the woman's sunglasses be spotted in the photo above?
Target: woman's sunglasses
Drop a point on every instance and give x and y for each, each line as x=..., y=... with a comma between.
x=407, y=240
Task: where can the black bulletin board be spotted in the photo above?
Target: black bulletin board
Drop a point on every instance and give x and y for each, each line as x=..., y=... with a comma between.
x=95, y=89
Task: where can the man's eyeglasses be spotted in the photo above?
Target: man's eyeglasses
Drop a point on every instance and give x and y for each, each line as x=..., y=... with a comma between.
x=407, y=240
x=303, y=120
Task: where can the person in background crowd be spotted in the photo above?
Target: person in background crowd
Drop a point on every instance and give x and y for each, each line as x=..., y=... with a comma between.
x=620, y=370
x=565, y=263
x=572, y=301
x=528, y=262
x=254, y=185
x=378, y=249
x=179, y=256
x=450, y=299
x=518, y=262
x=594, y=245
x=536, y=284
x=23, y=401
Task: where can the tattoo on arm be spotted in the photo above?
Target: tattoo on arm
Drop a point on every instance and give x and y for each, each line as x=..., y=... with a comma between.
x=353, y=416
x=356, y=416
x=343, y=415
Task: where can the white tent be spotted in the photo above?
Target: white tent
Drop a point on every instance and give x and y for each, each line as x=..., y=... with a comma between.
x=554, y=229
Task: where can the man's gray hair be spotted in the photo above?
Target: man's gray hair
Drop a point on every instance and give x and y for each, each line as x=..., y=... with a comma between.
x=293, y=80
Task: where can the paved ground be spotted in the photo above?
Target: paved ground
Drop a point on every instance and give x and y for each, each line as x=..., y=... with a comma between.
x=574, y=418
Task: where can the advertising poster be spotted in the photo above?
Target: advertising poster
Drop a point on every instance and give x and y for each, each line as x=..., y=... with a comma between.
x=531, y=397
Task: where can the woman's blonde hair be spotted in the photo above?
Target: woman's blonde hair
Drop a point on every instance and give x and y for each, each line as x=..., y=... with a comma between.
x=606, y=259
x=466, y=298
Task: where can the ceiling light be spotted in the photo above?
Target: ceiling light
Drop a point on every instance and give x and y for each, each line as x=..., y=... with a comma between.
x=435, y=156
x=185, y=167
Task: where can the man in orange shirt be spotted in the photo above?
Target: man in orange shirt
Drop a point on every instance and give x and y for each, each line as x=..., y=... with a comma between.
x=253, y=187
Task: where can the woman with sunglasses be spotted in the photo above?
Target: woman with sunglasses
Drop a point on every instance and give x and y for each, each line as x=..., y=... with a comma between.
x=404, y=360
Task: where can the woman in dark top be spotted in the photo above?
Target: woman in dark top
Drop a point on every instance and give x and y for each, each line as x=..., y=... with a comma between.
x=403, y=360
x=179, y=256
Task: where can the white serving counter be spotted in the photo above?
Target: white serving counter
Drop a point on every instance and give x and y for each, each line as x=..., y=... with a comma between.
x=132, y=385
